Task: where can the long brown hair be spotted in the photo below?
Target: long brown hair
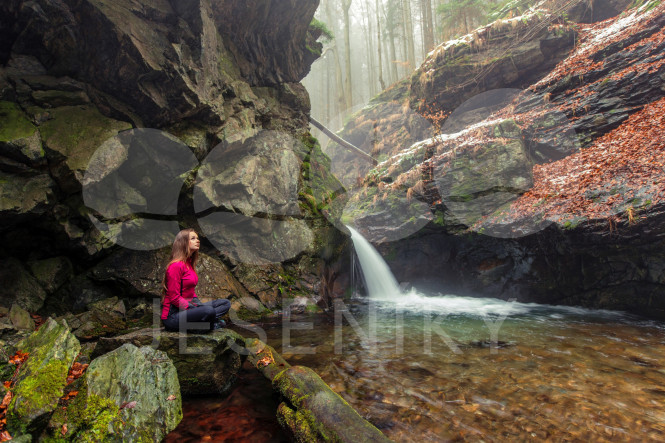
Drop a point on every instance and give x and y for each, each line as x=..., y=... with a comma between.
x=180, y=252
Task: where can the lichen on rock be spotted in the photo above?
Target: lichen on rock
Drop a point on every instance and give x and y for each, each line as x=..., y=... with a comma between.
x=41, y=379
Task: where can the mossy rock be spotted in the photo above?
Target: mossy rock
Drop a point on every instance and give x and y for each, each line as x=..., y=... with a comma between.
x=129, y=394
x=206, y=363
x=314, y=412
x=42, y=378
x=74, y=133
x=26, y=196
x=15, y=124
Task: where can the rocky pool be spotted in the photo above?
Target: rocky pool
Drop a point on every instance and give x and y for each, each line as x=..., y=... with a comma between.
x=439, y=368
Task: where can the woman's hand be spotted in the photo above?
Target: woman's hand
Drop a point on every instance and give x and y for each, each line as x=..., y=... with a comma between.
x=194, y=303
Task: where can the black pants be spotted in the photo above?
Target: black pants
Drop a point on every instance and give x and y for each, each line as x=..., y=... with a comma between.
x=204, y=314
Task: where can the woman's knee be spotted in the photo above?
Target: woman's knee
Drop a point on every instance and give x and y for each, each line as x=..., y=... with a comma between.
x=222, y=306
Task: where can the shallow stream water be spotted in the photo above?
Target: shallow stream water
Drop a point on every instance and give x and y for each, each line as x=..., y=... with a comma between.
x=442, y=368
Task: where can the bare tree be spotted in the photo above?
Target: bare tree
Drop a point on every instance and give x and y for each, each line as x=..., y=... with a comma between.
x=346, y=4
x=408, y=35
x=427, y=25
x=378, y=42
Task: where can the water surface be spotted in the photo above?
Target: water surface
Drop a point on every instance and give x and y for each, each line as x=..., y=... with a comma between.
x=443, y=368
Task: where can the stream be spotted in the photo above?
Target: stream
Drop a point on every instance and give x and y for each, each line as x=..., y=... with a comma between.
x=545, y=373
x=443, y=367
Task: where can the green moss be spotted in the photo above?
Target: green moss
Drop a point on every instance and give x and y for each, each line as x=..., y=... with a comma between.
x=14, y=124
x=573, y=223
x=439, y=218
x=89, y=418
x=322, y=28
x=319, y=183
x=312, y=309
x=77, y=131
x=647, y=4
x=100, y=416
x=36, y=394
x=245, y=314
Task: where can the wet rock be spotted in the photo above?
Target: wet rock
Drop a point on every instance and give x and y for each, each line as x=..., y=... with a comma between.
x=256, y=29
x=258, y=176
x=20, y=318
x=142, y=271
x=19, y=138
x=248, y=307
x=206, y=363
x=25, y=197
x=491, y=58
x=104, y=317
x=312, y=411
x=111, y=306
x=75, y=74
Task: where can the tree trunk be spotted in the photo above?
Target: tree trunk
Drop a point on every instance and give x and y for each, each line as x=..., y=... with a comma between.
x=391, y=19
x=378, y=44
x=340, y=102
x=346, y=4
x=408, y=25
x=371, y=76
x=428, y=25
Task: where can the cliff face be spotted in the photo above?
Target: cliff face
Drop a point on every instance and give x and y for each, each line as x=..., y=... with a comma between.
x=166, y=60
x=123, y=121
x=550, y=192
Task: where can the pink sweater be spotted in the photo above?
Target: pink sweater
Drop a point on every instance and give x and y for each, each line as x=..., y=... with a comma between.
x=175, y=272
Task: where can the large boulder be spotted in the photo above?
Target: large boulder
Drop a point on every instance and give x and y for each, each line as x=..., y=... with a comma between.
x=41, y=380
x=129, y=394
x=206, y=363
x=510, y=53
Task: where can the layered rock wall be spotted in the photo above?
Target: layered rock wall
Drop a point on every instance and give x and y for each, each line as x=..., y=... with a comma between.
x=107, y=107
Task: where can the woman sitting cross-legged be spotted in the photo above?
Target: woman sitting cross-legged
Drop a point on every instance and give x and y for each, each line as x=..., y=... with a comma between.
x=181, y=308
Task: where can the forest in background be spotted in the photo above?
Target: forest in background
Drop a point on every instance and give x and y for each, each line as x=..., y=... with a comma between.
x=372, y=44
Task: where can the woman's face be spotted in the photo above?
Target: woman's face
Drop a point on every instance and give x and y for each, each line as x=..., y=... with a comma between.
x=194, y=242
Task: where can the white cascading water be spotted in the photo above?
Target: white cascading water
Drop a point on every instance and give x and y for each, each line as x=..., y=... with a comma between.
x=381, y=284
x=383, y=287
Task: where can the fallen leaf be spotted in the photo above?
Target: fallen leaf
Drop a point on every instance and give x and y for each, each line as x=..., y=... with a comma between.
x=128, y=405
x=63, y=431
x=70, y=394
x=170, y=397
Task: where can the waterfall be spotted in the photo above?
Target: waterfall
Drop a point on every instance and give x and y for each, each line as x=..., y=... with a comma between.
x=380, y=282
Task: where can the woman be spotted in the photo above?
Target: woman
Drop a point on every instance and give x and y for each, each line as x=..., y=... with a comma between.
x=180, y=305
